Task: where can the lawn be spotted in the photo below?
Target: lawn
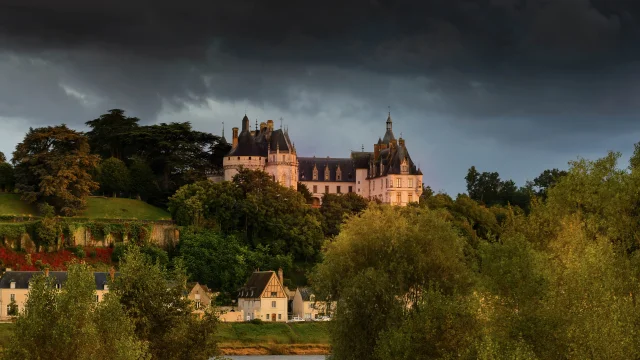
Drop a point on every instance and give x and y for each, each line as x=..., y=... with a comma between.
x=275, y=333
x=97, y=208
x=5, y=334
x=10, y=204
x=122, y=208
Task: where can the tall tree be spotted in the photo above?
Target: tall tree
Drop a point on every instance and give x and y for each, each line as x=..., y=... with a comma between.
x=114, y=176
x=53, y=164
x=2, y=157
x=336, y=208
x=547, y=179
x=153, y=297
x=143, y=181
x=110, y=134
x=7, y=178
x=68, y=324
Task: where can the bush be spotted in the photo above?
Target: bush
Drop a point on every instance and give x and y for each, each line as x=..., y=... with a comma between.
x=93, y=253
x=256, y=321
x=118, y=252
x=46, y=210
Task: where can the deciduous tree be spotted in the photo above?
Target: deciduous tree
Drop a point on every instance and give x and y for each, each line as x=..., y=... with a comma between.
x=52, y=164
x=114, y=176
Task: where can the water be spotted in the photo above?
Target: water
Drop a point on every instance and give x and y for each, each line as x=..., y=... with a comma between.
x=278, y=357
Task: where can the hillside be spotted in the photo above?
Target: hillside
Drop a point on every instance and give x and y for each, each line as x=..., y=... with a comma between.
x=97, y=208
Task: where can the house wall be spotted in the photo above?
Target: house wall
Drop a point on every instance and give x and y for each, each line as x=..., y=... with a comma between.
x=263, y=309
x=21, y=296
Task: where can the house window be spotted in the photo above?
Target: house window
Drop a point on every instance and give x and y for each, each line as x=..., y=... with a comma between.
x=198, y=305
x=315, y=189
x=13, y=297
x=350, y=188
x=410, y=198
x=59, y=286
x=338, y=189
x=266, y=316
x=273, y=304
x=279, y=316
x=97, y=298
x=307, y=316
x=12, y=285
x=386, y=183
x=106, y=286
x=410, y=183
x=358, y=182
x=326, y=189
x=283, y=158
x=398, y=182
x=274, y=294
x=399, y=198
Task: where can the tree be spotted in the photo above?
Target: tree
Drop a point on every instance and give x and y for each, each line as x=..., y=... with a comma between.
x=114, y=176
x=336, y=207
x=153, y=297
x=304, y=190
x=68, y=324
x=259, y=211
x=487, y=188
x=142, y=180
x=547, y=179
x=2, y=157
x=52, y=164
x=110, y=134
x=7, y=177
x=381, y=262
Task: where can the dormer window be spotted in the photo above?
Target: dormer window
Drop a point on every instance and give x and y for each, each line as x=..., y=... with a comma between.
x=338, y=174
x=326, y=173
x=404, y=167
x=315, y=173
x=106, y=286
x=12, y=285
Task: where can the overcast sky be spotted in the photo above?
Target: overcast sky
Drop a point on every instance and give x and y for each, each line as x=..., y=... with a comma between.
x=514, y=86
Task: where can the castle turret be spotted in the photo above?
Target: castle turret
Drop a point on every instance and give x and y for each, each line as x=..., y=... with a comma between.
x=234, y=142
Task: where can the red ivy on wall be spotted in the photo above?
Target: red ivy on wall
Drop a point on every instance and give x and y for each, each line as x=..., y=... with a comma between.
x=56, y=260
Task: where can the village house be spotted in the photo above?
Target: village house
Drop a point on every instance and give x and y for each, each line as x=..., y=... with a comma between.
x=14, y=288
x=200, y=295
x=264, y=297
x=305, y=305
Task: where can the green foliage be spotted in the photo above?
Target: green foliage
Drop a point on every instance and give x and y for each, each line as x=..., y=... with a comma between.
x=143, y=181
x=109, y=135
x=68, y=324
x=52, y=164
x=12, y=310
x=256, y=209
x=113, y=176
x=487, y=188
x=256, y=322
x=7, y=177
x=304, y=190
x=46, y=210
x=223, y=263
x=152, y=297
x=48, y=231
x=336, y=207
x=3, y=158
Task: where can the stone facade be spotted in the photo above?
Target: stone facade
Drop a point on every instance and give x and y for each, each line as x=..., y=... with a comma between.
x=387, y=174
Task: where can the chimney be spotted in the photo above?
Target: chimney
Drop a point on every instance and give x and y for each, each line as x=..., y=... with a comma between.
x=401, y=142
x=46, y=272
x=263, y=126
x=112, y=273
x=235, y=137
x=7, y=269
x=392, y=144
x=281, y=276
x=376, y=151
x=270, y=125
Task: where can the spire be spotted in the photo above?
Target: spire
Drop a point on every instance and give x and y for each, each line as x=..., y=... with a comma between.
x=389, y=121
x=362, y=147
x=256, y=124
x=223, y=129
x=245, y=123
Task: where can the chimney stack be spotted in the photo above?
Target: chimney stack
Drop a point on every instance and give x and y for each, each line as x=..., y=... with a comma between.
x=46, y=272
x=235, y=137
x=112, y=273
x=281, y=276
x=263, y=126
x=376, y=151
x=270, y=125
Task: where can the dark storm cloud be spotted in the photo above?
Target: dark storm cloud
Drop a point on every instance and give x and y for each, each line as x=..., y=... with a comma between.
x=553, y=64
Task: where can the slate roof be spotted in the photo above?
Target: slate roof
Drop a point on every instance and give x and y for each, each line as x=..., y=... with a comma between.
x=305, y=293
x=306, y=164
x=392, y=158
x=256, y=284
x=258, y=142
x=22, y=278
x=361, y=159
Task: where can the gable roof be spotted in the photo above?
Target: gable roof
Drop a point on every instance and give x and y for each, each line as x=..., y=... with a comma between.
x=305, y=293
x=306, y=164
x=254, y=287
x=22, y=278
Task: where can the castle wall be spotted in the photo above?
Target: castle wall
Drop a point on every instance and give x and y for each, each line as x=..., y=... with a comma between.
x=387, y=190
x=321, y=187
x=284, y=169
x=362, y=184
x=232, y=164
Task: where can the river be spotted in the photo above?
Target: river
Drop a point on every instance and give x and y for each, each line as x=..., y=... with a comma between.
x=278, y=357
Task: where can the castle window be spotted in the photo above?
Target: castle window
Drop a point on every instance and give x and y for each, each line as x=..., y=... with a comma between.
x=238, y=157
x=326, y=189
x=410, y=198
x=350, y=189
x=315, y=173
x=283, y=158
x=399, y=198
x=398, y=182
x=326, y=173
x=249, y=157
x=410, y=183
x=338, y=189
x=338, y=174
x=229, y=158
x=315, y=189
x=386, y=183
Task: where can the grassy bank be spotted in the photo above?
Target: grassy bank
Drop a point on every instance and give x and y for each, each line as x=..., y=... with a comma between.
x=308, y=338
x=250, y=339
x=97, y=208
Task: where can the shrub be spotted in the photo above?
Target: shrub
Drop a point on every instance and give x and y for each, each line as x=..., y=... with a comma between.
x=256, y=321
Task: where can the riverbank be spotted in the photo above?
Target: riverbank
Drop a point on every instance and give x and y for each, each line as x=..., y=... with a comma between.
x=305, y=338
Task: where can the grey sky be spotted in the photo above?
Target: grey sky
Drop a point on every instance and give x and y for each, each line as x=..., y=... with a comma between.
x=514, y=86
